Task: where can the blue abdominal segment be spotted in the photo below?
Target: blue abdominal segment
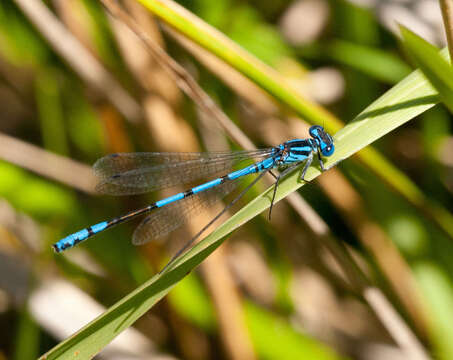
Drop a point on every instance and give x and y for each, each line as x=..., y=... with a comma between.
x=74, y=239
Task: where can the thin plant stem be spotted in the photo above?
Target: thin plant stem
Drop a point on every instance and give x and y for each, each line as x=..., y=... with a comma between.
x=446, y=7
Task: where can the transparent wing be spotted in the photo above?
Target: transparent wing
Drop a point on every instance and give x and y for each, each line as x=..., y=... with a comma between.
x=136, y=173
x=168, y=218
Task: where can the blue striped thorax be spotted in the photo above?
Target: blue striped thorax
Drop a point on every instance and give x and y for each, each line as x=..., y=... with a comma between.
x=300, y=149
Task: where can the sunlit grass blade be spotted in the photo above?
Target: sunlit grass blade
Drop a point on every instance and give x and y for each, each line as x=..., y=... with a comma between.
x=437, y=70
x=400, y=104
x=218, y=44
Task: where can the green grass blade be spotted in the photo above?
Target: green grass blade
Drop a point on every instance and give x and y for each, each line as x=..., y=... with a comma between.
x=230, y=52
x=436, y=69
x=374, y=62
x=400, y=104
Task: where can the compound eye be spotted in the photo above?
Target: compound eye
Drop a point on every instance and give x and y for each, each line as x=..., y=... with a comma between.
x=328, y=150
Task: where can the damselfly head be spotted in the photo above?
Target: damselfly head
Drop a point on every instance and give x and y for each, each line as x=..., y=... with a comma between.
x=324, y=140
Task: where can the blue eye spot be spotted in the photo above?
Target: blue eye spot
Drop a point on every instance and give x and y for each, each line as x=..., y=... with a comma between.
x=328, y=150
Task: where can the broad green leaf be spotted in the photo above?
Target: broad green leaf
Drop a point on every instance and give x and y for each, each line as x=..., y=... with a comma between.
x=438, y=71
x=400, y=104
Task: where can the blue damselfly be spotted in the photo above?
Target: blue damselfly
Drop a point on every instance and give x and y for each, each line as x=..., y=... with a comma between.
x=136, y=173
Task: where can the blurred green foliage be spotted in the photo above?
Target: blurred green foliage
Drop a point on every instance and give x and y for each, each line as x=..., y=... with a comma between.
x=64, y=117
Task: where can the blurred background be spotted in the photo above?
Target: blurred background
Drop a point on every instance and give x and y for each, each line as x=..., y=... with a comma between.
x=76, y=84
